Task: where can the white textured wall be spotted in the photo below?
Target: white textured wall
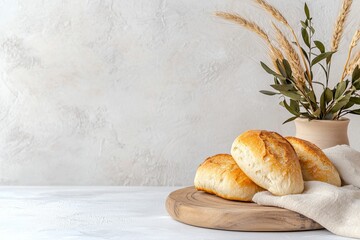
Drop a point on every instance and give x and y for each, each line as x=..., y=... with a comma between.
x=133, y=92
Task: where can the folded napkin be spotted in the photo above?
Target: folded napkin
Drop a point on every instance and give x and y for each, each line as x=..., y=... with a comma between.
x=336, y=208
x=347, y=162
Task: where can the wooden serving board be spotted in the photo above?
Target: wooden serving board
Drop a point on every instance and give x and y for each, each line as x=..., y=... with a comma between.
x=201, y=209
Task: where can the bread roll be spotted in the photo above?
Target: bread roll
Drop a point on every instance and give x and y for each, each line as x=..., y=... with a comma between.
x=269, y=160
x=315, y=165
x=221, y=175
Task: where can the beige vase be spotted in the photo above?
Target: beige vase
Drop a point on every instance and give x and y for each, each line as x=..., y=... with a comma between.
x=323, y=133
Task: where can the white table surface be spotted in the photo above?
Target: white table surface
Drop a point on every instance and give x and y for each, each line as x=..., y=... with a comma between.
x=107, y=213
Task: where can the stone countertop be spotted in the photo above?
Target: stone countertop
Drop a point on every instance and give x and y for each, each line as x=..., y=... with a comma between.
x=107, y=213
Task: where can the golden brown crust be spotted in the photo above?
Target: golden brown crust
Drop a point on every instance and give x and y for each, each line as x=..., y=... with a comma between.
x=315, y=165
x=220, y=175
x=269, y=160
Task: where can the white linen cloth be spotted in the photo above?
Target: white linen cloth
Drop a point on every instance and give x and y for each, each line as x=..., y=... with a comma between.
x=336, y=208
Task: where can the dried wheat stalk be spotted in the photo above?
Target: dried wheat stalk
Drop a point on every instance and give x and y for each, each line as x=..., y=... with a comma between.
x=278, y=16
x=273, y=11
x=353, y=44
x=355, y=61
x=275, y=53
x=243, y=22
x=340, y=24
x=355, y=39
x=292, y=57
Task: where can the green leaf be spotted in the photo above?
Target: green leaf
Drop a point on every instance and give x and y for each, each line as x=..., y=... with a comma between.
x=267, y=69
x=356, y=84
x=348, y=105
x=290, y=109
x=276, y=81
x=312, y=30
x=356, y=74
x=285, y=87
x=270, y=71
x=281, y=68
x=356, y=111
x=303, y=24
x=328, y=95
x=305, y=37
x=305, y=105
x=294, y=105
x=337, y=107
x=355, y=100
x=287, y=67
x=323, y=102
x=346, y=83
x=306, y=10
x=317, y=112
x=320, y=57
x=341, y=86
x=312, y=97
x=291, y=95
x=269, y=93
x=328, y=59
x=320, y=46
x=340, y=104
x=290, y=119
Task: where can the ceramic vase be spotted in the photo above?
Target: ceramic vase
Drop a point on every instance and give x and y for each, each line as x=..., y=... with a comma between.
x=323, y=133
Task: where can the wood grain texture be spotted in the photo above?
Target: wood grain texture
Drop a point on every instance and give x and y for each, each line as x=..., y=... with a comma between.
x=201, y=209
